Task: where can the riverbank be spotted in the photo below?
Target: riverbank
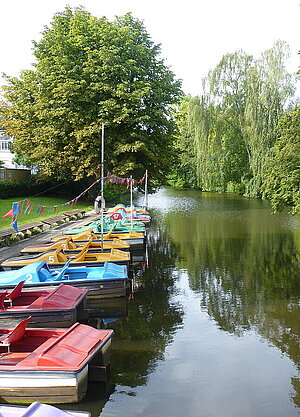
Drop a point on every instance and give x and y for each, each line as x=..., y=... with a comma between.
x=46, y=236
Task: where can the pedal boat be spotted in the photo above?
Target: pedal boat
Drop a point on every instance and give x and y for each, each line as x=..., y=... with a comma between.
x=127, y=215
x=108, y=281
x=51, y=365
x=118, y=227
x=58, y=307
x=91, y=247
x=58, y=258
x=126, y=218
x=71, y=247
x=128, y=209
x=136, y=240
x=37, y=409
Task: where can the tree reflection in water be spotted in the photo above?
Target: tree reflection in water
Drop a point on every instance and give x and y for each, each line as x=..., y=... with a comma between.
x=141, y=338
x=244, y=264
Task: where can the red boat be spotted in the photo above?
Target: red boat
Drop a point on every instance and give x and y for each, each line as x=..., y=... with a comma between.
x=51, y=365
x=59, y=307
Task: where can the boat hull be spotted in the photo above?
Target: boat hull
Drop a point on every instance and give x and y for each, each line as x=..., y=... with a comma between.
x=60, y=265
x=52, y=388
x=61, y=306
x=57, y=318
x=58, y=370
x=107, y=288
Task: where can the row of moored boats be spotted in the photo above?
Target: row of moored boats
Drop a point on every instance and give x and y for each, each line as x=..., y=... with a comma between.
x=47, y=352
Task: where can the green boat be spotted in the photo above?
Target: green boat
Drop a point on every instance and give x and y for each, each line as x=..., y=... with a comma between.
x=117, y=226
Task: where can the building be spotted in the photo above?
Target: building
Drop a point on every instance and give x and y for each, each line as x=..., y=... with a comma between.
x=10, y=170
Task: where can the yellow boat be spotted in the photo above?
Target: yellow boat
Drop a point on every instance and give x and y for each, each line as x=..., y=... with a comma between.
x=136, y=240
x=72, y=247
x=57, y=259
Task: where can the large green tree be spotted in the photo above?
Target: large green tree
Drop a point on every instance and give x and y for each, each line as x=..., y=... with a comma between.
x=90, y=71
x=282, y=175
x=233, y=123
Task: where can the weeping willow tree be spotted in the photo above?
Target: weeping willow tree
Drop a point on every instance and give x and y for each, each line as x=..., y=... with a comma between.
x=232, y=124
x=269, y=88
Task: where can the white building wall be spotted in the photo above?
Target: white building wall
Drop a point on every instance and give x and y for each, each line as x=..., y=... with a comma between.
x=6, y=155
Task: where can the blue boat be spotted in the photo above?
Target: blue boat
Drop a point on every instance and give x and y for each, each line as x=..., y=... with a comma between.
x=103, y=282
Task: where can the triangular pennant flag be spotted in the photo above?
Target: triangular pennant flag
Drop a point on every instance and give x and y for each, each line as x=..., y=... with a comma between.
x=31, y=207
x=15, y=225
x=10, y=213
x=16, y=208
x=28, y=204
x=22, y=205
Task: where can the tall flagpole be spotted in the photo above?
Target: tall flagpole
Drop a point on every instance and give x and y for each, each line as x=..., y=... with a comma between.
x=131, y=208
x=146, y=190
x=102, y=187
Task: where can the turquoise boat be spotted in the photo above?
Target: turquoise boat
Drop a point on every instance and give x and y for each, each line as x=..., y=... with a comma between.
x=108, y=281
x=118, y=227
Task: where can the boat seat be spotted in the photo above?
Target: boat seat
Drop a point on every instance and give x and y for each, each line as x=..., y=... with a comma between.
x=15, y=335
x=15, y=293
x=81, y=256
x=61, y=257
x=61, y=273
x=44, y=275
x=2, y=297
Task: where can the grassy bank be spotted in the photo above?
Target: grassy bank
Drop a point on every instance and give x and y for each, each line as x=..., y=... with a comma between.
x=6, y=205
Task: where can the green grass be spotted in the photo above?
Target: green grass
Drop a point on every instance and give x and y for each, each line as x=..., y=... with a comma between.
x=6, y=205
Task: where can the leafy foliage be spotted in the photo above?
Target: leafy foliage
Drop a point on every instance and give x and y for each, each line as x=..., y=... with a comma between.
x=229, y=131
x=91, y=71
x=184, y=167
x=282, y=178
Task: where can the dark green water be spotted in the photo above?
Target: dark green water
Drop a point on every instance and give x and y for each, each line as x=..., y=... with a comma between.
x=213, y=329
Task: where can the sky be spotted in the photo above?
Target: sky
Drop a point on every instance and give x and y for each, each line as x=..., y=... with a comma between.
x=194, y=34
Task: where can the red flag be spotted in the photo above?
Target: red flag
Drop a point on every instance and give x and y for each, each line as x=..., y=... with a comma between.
x=10, y=213
x=30, y=208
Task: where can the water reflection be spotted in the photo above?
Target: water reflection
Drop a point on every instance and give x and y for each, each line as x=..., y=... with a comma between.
x=213, y=328
x=140, y=338
x=244, y=264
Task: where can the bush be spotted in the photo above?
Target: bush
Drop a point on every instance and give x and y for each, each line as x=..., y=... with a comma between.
x=10, y=189
x=36, y=231
x=14, y=238
x=236, y=188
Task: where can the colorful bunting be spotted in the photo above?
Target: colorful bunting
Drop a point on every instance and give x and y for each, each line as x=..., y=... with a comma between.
x=18, y=207
x=116, y=180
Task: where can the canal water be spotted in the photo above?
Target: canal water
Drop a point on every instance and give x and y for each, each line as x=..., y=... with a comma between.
x=212, y=329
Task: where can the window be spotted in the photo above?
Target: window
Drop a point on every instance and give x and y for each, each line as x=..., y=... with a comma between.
x=5, y=145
